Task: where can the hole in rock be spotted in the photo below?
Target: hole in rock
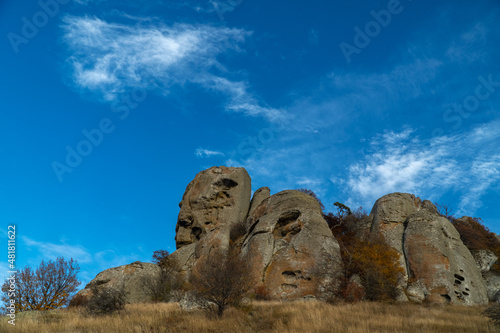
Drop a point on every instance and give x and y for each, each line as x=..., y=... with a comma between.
x=287, y=217
x=184, y=223
x=196, y=232
x=446, y=297
x=229, y=183
x=459, y=277
x=288, y=274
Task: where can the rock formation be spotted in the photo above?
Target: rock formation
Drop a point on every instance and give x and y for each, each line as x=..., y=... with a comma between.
x=130, y=277
x=214, y=202
x=288, y=244
x=292, y=253
x=438, y=266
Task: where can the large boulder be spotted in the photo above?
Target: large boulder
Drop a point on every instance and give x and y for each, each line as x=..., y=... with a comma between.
x=437, y=266
x=388, y=217
x=129, y=277
x=439, y=263
x=216, y=200
x=289, y=247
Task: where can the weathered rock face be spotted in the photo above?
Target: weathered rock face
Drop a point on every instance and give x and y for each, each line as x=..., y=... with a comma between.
x=215, y=201
x=260, y=195
x=484, y=259
x=130, y=277
x=388, y=216
x=492, y=281
x=438, y=267
x=440, y=263
x=289, y=244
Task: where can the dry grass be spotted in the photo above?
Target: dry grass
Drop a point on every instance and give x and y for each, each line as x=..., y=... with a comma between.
x=262, y=317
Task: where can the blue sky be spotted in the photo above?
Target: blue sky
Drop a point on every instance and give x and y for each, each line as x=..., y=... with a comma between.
x=109, y=109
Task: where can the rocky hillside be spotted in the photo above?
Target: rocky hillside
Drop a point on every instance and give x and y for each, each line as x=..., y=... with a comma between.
x=285, y=239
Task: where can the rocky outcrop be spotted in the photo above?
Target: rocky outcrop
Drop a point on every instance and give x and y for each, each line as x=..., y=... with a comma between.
x=290, y=249
x=130, y=277
x=260, y=195
x=214, y=202
x=492, y=281
x=292, y=253
x=484, y=259
x=439, y=263
x=438, y=266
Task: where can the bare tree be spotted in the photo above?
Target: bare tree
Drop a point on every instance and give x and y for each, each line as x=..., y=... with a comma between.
x=160, y=286
x=445, y=210
x=51, y=285
x=220, y=282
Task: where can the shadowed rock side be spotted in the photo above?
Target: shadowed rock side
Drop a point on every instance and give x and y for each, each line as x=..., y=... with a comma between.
x=215, y=201
x=438, y=266
x=289, y=246
x=130, y=277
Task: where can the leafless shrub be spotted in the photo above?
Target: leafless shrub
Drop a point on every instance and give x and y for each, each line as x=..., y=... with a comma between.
x=493, y=313
x=106, y=300
x=161, y=285
x=445, y=210
x=220, y=282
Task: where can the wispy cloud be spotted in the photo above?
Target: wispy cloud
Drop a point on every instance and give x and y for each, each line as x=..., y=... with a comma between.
x=200, y=152
x=90, y=263
x=401, y=162
x=112, y=58
x=51, y=251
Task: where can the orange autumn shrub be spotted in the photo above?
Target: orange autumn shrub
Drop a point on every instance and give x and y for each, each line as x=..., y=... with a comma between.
x=478, y=237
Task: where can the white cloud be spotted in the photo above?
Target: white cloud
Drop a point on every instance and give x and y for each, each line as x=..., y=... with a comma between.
x=470, y=45
x=112, y=58
x=400, y=162
x=51, y=251
x=200, y=152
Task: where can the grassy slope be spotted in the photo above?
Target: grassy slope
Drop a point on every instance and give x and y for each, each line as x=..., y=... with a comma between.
x=263, y=317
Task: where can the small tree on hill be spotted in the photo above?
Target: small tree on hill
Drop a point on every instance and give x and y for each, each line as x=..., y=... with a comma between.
x=445, y=210
x=220, y=282
x=342, y=210
x=375, y=262
x=160, y=286
x=51, y=285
